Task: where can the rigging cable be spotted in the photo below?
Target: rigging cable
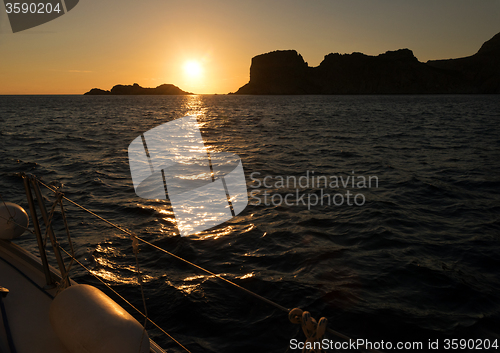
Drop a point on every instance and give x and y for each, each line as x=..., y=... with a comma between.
x=125, y=300
x=270, y=302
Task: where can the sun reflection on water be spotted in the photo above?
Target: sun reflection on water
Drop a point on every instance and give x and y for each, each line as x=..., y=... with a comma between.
x=194, y=106
x=248, y=275
x=108, y=265
x=195, y=214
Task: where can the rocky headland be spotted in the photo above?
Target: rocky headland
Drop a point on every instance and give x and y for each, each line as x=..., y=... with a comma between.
x=394, y=72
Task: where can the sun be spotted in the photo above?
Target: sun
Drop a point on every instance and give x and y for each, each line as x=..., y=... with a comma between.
x=193, y=69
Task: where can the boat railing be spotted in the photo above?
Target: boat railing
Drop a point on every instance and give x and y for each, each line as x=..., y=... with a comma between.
x=29, y=183
x=313, y=330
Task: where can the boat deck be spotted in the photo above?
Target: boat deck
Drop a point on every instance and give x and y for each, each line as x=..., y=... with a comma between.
x=27, y=303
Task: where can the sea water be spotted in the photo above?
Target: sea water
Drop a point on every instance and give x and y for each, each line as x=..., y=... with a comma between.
x=380, y=213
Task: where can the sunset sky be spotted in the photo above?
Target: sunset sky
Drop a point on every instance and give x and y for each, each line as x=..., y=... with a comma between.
x=206, y=46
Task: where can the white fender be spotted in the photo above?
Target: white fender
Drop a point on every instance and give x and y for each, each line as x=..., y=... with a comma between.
x=13, y=220
x=88, y=321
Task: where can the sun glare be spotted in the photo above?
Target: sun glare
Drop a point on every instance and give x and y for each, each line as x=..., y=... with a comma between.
x=192, y=69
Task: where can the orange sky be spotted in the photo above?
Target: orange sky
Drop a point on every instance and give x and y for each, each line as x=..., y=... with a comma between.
x=107, y=42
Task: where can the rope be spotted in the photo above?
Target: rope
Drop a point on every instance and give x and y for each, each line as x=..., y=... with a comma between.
x=314, y=331
x=278, y=306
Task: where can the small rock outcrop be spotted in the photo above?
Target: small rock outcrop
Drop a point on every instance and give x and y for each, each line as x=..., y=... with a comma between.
x=135, y=89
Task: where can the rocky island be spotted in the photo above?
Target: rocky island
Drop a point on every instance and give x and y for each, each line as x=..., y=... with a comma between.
x=135, y=89
x=394, y=72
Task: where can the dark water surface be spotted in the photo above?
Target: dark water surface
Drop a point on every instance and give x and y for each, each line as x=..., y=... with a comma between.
x=418, y=260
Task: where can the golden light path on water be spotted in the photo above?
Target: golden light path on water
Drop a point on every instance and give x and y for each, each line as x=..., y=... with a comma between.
x=194, y=105
x=166, y=224
x=112, y=272
x=192, y=285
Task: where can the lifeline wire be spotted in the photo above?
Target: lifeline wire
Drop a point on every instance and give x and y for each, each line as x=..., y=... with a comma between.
x=125, y=300
x=338, y=334
x=5, y=204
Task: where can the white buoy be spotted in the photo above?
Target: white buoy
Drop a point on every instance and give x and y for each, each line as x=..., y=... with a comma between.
x=13, y=220
x=88, y=321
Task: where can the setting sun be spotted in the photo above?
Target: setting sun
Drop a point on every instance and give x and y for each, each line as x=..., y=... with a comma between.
x=192, y=69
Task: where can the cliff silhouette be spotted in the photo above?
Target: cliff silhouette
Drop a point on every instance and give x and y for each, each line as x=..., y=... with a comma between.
x=135, y=89
x=394, y=72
